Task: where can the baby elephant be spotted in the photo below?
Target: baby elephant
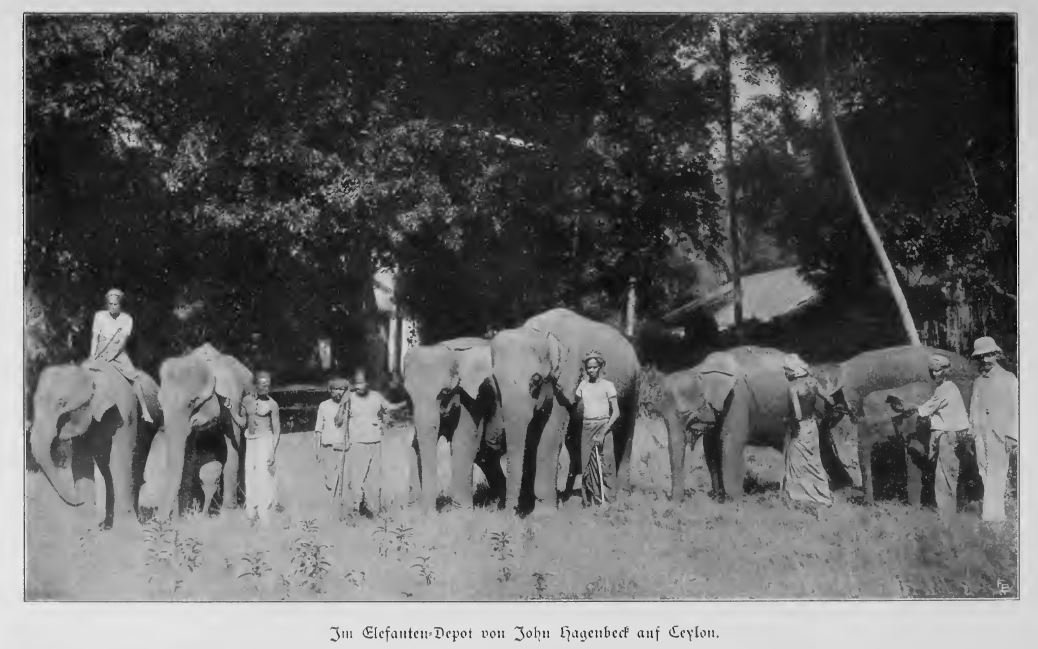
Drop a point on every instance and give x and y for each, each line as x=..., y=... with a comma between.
x=209, y=475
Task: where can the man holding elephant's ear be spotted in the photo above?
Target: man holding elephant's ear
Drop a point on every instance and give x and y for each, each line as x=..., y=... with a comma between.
x=949, y=426
x=994, y=416
x=601, y=410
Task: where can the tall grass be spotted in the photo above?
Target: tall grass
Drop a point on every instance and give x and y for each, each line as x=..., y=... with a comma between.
x=640, y=548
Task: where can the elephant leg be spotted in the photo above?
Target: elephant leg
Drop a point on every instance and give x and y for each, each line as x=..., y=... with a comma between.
x=623, y=442
x=489, y=462
x=102, y=460
x=732, y=442
x=676, y=450
x=464, y=445
x=712, y=455
x=546, y=483
x=120, y=463
x=230, y=477
x=865, y=459
x=527, y=495
x=418, y=461
x=572, y=442
x=427, y=439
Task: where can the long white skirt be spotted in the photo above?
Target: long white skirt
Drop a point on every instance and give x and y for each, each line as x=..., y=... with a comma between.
x=260, y=485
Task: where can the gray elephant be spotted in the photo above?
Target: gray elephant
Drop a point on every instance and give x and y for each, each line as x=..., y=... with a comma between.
x=853, y=380
x=452, y=390
x=533, y=362
x=202, y=395
x=732, y=398
x=94, y=407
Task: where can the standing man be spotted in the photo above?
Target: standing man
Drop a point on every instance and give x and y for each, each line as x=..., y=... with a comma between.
x=262, y=436
x=994, y=417
x=949, y=429
x=109, y=334
x=597, y=396
x=330, y=440
x=362, y=413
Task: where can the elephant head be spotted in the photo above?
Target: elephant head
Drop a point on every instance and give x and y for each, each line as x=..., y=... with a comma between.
x=449, y=385
x=188, y=398
x=528, y=363
x=66, y=403
x=702, y=400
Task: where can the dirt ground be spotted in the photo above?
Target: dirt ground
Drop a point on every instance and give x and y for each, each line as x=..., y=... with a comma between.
x=641, y=548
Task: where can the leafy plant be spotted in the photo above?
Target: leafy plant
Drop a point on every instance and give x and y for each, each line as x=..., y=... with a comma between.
x=425, y=570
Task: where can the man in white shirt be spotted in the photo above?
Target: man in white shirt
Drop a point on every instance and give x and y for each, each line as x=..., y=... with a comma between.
x=600, y=412
x=330, y=440
x=949, y=428
x=363, y=414
x=994, y=416
x=109, y=334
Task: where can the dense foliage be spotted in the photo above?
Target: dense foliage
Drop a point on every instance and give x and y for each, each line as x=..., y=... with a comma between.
x=250, y=173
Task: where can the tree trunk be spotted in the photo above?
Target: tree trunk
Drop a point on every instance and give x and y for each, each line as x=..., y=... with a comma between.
x=852, y=185
x=733, y=225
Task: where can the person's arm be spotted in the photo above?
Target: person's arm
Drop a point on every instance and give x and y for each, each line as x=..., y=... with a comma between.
x=570, y=406
x=614, y=408
x=319, y=428
x=275, y=424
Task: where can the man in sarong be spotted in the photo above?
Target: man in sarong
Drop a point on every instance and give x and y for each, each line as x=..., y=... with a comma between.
x=949, y=432
x=109, y=334
x=596, y=397
x=994, y=421
x=262, y=436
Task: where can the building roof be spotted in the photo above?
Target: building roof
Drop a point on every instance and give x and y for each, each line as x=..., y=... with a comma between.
x=765, y=296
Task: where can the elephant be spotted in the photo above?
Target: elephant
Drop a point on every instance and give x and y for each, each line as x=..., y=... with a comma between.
x=452, y=391
x=94, y=407
x=853, y=380
x=533, y=366
x=732, y=399
x=202, y=394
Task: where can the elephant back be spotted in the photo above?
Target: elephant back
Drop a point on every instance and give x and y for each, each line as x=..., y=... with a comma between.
x=110, y=388
x=893, y=367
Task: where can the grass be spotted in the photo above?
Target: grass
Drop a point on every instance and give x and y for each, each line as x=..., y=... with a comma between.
x=642, y=548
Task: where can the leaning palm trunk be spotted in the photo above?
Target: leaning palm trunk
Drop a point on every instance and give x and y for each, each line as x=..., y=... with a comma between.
x=863, y=213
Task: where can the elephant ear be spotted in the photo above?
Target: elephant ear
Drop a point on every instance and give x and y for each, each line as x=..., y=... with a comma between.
x=555, y=355
x=105, y=382
x=473, y=368
x=716, y=385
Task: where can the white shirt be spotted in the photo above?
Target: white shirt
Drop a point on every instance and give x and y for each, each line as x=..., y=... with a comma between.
x=327, y=431
x=596, y=397
x=945, y=408
x=105, y=328
x=994, y=406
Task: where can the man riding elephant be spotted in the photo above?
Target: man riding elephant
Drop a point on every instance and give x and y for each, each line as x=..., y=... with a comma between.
x=110, y=332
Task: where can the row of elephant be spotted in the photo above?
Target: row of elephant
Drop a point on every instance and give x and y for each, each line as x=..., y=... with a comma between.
x=491, y=399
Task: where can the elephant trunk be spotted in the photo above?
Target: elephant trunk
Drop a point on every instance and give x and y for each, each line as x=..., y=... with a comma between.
x=44, y=430
x=178, y=428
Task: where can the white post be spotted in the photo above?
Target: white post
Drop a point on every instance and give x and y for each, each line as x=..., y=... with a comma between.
x=631, y=306
x=394, y=328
